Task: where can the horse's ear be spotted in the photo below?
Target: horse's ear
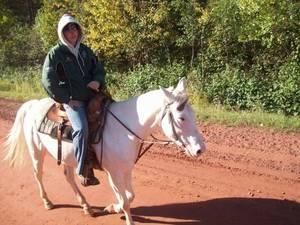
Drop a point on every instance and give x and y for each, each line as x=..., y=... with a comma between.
x=181, y=85
x=168, y=94
x=170, y=89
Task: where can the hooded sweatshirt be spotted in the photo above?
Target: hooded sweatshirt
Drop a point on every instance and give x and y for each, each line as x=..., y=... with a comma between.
x=68, y=69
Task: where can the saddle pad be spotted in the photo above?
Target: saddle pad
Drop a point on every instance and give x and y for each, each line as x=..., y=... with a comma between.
x=45, y=125
x=50, y=127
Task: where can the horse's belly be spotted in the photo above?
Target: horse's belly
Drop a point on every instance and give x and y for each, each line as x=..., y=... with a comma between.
x=51, y=146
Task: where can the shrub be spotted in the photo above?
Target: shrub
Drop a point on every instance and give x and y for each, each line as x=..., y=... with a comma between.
x=236, y=89
x=21, y=47
x=145, y=78
x=286, y=89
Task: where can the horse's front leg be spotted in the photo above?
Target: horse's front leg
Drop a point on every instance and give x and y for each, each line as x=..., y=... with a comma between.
x=69, y=173
x=118, y=185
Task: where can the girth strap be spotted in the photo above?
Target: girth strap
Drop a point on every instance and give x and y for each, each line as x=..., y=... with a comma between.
x=60, y=131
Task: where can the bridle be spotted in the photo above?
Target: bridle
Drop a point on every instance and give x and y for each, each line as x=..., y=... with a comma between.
x=175, y=136
x=176, y=140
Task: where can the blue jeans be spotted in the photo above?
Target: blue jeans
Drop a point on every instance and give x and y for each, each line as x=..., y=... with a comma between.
x=78, y=118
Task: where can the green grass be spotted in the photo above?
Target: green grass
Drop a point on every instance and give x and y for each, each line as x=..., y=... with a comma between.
x=21, y=84
x=25, y=84
x=215, y=114
x=20, y=91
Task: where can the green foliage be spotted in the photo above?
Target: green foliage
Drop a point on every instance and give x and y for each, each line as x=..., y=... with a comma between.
x=151, y=31
x=23, y=11
x=24, y=84
x=145, y=78
x=140, y=32
x=247, y=46
x=107, y=29
x=286, y=89
x=19, y=42
x=251, y=33
x=190, y=19
x=235, y=89
x=238, y=53
x=241, y=91
x=21, y=83
x=21, y=47
x=6, y=20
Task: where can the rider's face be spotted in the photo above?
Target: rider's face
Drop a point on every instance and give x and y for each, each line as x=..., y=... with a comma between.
x=71, y=33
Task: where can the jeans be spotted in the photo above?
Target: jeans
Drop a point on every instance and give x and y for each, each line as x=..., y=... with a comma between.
x=78, y=118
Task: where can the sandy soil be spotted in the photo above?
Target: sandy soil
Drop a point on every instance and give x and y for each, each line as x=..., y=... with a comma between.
x=247, y=176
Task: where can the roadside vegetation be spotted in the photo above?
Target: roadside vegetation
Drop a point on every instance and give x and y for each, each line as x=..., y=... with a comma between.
x=241, y=57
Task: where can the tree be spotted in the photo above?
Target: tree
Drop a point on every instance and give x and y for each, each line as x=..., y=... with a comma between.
x=140, y=32
x=6, y=19
x=23, y=10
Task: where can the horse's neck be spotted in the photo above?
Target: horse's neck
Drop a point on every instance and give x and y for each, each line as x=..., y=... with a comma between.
x=141, y=113
x=149, y=106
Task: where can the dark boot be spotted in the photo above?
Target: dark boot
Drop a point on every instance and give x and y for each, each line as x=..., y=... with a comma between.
x=88, y=178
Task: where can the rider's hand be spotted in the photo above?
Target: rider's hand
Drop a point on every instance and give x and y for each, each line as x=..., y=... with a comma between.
x=74, y=103
x=94, y=85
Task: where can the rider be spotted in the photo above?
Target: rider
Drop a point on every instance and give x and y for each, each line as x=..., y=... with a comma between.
x=71, y=70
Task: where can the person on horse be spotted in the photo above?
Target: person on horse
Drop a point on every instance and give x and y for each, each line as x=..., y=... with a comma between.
x=71, y=72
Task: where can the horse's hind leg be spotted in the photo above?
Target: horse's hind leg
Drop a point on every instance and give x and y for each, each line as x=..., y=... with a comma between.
x=37, y=157
x=69, y=173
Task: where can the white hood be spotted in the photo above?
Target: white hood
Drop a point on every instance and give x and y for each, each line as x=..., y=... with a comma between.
x=64, y=20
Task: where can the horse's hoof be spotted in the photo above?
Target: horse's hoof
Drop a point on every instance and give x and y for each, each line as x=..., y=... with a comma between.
x=89, y=212
x=48, y=205
x=110, y=209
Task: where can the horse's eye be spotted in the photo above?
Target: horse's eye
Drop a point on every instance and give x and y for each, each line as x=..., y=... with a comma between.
x=181, y=118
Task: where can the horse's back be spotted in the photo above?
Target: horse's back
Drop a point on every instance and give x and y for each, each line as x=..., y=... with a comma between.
x=34, y=118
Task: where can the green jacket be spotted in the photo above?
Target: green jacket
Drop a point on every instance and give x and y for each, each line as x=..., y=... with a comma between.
x=64, y=77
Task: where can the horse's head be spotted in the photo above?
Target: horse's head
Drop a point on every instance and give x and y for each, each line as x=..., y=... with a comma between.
x=178, y=121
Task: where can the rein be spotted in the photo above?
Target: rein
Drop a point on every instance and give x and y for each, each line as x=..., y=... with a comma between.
x=143, y=141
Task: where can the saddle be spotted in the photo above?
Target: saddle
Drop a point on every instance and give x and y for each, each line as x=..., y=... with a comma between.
x=57, y=125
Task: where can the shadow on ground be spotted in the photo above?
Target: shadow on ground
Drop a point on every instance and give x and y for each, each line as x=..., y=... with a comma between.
x=223, y=211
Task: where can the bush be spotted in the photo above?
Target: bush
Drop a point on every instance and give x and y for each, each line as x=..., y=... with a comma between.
x=236, y=89
x=144, y=78
x=286, y=89
x=21, y=47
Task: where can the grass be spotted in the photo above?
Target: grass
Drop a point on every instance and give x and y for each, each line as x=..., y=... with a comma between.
x=217, y=114
x=25, y=84
x=20, y=91
x=21, y=84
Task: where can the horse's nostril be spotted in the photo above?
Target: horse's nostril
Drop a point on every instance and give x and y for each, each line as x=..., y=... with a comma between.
x=198, y=152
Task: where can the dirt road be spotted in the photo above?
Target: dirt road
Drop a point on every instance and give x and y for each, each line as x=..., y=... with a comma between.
x=247, y=176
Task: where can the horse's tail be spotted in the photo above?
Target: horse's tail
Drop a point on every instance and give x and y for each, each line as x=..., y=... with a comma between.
x=15, y=143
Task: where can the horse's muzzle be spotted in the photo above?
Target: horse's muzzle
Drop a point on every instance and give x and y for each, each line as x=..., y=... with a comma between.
x=200, y=150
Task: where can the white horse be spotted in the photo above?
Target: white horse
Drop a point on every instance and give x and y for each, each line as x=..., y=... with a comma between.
x=167, y=108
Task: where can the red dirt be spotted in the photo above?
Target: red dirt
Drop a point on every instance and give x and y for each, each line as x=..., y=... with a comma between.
x=247, y=176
